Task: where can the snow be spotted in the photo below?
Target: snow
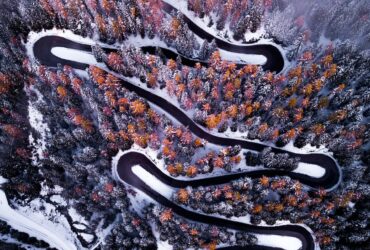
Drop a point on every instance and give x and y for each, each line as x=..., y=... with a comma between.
x=77, y=55
x=58, y=199
x=88, y=58
x=88, y=237
x=3, y=180
x=140, y=200
x=310, y=169
x=36, y=224
x=84, y=57
x=102, y=233
x=152, y=181
x=58, y=189
x=285, y=242
x=79, y=226
x=306, y=149
x=244, y=58
x=162, y=245
x=251, y=36
x=35, y=118
x=45, y=190
x=8, y=239
x=225, y=55
x=76, y=217
x=351, y=204
x=37, y=123
x=324, y=41
x=203, y=23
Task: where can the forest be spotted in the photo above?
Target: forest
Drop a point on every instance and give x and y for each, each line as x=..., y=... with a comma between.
x=318, y=102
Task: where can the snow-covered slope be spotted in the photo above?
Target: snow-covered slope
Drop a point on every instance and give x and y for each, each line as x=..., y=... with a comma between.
x=35, y=227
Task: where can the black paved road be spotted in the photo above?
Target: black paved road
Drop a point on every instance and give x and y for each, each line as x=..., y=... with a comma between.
x=331, y=178
x=48, y=42
x=275, y=60
x=42, y=51
x=125, y=173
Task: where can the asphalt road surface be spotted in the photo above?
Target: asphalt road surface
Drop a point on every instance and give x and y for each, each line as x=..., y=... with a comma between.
x=124, y=170
x=331, y=178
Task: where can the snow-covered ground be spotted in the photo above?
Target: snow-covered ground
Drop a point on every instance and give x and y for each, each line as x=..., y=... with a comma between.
x=162, y=245
x=225, y=55
x=182, y=6
x=285, y=242
x=2, y=180
x=37, y=123
x=310, y=170
x=39, y=218
x=76, y=217
x=102, y=233
x=88, y=58
x=77, y=55
x=141, y=199
x=257, y=36
x=47, y=221
x=152, y=181
x=36, y=224
x=85, y=57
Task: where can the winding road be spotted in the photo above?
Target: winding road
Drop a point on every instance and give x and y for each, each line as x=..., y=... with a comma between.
x=49, y=42
x=275, y=60
x=125, y=173
x=330, y=180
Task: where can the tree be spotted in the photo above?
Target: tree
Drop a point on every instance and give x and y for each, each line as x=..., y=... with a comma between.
x=4, y=84
x=62, y=92
x=257, y=209
x=166, y=215
x=76, y=85
x=137, y=107
x=98, y=53
x=192, y=171
x=292, y=102
x=183, y=195
x=204, y=52
x=212, y=121
x=232, y=111
x=218, y=162
x=12, y=130
x=115, y=61
x=99, y=20
x=264, y=181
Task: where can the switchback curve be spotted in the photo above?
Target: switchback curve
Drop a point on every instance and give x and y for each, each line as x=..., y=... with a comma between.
x=329, y=181
x=125, y=173
x=275, y=60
